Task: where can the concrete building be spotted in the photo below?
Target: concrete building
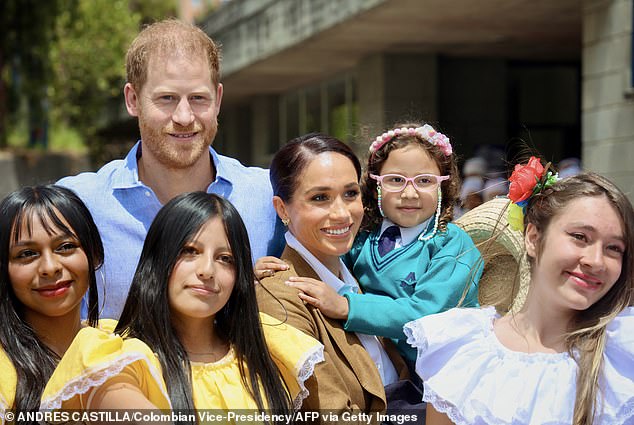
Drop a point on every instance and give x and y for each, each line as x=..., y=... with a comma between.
x=556, y=74
x=607, y=82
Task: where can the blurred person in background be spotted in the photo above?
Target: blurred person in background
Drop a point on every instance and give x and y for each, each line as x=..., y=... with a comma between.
x=494, y=187
x=473, y=172
x=569, y=167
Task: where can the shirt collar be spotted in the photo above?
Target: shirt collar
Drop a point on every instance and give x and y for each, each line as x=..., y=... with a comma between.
x=408, y=234
x=222, y=171
x=128, y=176
x=347, y=284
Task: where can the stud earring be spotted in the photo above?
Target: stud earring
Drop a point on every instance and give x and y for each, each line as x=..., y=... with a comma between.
x=436, y=219
x=285, y=221
x=378, y=192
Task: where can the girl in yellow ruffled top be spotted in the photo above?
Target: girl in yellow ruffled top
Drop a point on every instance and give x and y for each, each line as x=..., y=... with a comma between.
x=192, y=301
x=49, y=251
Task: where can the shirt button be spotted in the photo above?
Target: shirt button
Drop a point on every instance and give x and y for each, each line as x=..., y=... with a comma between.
x=147, y=193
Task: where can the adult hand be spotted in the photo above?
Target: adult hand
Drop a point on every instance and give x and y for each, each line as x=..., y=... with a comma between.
x=320, y=295
x=267, y=266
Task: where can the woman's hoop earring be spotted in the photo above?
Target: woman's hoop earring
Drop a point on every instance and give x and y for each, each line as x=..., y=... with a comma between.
x=285, y=221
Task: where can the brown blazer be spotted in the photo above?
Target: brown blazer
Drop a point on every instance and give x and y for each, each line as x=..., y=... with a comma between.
x=348, y=378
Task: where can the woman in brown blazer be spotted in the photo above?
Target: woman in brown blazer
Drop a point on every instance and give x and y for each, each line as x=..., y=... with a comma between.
x=317, y=196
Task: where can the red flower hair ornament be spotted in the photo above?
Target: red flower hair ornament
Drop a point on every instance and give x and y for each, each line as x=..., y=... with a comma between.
x=526, y=181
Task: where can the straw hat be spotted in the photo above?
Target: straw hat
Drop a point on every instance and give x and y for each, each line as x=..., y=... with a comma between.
x=503, y=284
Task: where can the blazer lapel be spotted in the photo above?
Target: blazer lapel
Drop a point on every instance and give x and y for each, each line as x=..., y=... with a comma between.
x=348, y=342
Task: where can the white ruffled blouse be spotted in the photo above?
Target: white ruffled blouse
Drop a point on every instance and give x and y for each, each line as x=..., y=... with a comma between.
x=472, y=378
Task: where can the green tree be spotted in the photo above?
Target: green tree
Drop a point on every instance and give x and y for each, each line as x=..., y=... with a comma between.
x=88, y=61
x=25, y=68
x=69, y=53
x=153, y=10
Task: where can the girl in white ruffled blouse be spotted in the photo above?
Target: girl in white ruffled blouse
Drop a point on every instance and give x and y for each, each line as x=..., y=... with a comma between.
x=568, y=355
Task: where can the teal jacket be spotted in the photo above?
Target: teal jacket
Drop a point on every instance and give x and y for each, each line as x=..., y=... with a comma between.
x=410, y=282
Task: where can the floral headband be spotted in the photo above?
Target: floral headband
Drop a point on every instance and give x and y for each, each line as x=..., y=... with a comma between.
x=425, y=132
x=526, y=181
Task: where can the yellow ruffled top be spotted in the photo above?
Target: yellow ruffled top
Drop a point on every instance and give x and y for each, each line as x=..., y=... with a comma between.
x=94, y=356
x=218, y=385
x=97, y=355
x=8, y=379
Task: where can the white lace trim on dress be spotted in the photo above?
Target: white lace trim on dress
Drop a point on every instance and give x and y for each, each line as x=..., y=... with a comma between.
x=442, y=406
x=96, y=376
x=4, y=406
x=305, y=368
x=468, y=373
x=415, y=335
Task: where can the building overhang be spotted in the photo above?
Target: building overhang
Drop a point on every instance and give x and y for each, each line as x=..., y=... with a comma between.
x=277, y=45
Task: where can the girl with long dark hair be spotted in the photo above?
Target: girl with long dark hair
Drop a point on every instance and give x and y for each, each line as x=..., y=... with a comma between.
x=192, y=301
x=49, y=251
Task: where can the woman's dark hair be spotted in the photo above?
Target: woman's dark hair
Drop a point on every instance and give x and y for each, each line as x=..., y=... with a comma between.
x=446, y=164
x=289, y=162
x=146, y=314
x=34, y=362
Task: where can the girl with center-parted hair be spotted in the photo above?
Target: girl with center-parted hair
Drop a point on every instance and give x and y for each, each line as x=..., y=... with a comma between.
x=192, y=301
x=49, y=251
x=315, y=180
x=566, y=356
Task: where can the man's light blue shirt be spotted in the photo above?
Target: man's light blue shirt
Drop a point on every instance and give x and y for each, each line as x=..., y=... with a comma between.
x=123, y=209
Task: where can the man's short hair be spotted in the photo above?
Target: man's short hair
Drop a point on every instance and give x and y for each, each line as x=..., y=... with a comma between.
x=165, y=38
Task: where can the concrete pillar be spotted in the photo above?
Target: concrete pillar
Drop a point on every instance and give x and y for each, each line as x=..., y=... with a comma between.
x=234, y=132
x=396, y=87
x=473, y=102
x=265, y=124
x=608, y=104
x=371, y=95
x=411, y=88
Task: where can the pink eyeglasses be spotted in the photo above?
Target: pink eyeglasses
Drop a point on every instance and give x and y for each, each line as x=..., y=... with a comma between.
x=421, y=182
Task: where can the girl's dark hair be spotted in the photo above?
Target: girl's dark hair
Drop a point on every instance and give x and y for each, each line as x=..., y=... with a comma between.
x=289, y=162
x=146, y=314
x=34, y=362
x=446, y=164
x=588, y=332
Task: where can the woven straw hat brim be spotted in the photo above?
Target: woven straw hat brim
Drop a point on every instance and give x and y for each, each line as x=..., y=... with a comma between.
x=506, y=276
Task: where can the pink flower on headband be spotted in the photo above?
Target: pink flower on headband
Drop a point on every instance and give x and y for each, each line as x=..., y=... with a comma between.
x=442, y=142
x=425, y=132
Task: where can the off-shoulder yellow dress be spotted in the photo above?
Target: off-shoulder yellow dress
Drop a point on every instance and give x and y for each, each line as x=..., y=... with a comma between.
x=218, y=385
x=94, y=356
x=97, y=355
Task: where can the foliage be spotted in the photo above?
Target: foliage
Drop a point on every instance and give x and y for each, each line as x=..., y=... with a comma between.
x=65, y=58
x=61, y=138
x=88, y=61
x=25, y=69
x=153, y=10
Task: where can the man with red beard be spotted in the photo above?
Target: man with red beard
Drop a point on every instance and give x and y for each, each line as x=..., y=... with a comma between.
x=173, y=89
